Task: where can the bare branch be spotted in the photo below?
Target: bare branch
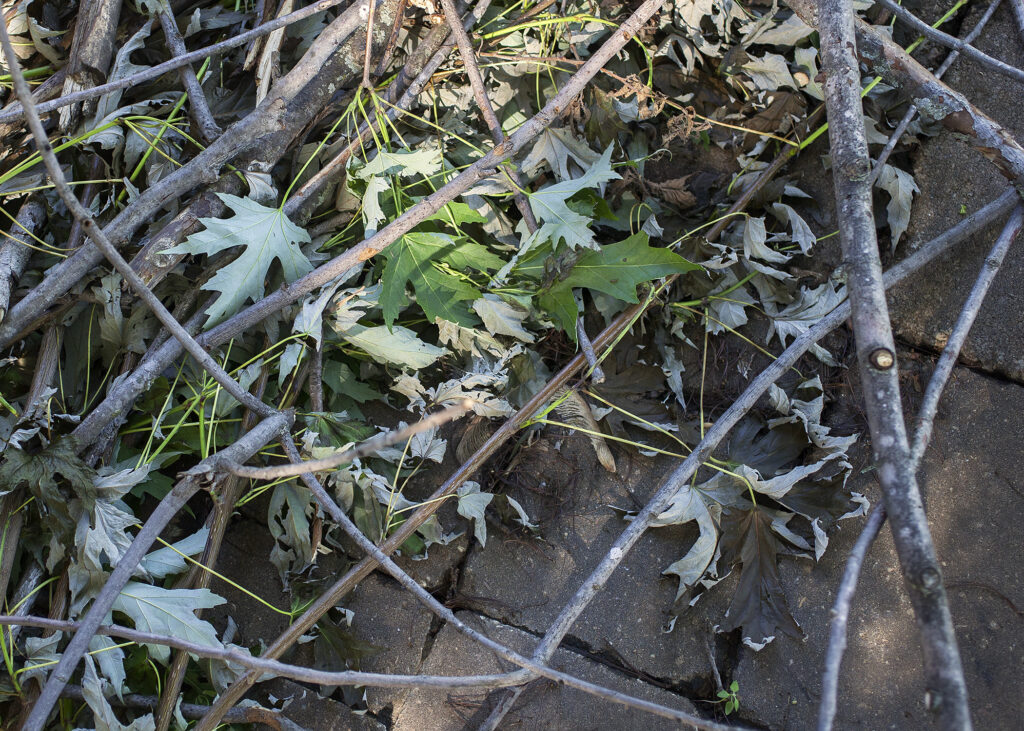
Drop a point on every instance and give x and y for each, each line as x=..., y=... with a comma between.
x=1018, y=15
x=483, y=103
x=273, y=667
x=841, y=615
x=247, y=445
x=897, y=133
x=949, y=41
x=174, y=64
x=876, y=351
x=207, y=129
x=89, y=59
x=269, y=129
x=366, y=449
x=933, y=99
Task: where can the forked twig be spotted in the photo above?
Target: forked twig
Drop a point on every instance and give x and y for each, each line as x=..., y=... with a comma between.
x=934, y=34
x=904, y=123
x=681, y=476
x=922, y=434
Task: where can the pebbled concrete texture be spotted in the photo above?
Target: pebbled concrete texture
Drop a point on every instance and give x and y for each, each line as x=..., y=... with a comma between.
x=543, y=705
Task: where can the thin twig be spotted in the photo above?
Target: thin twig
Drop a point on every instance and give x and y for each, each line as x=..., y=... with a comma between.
x=950, y=353
x=840, y=617
x=247, y=445
x=365, y=449
x=949, y=41
x=94, y=232
x=876, y=351
x=155, y=72
x=224, y=505
x=206, y=128
x=400, y=96
x=272, y=667
x=897, y=133
x=242, y=714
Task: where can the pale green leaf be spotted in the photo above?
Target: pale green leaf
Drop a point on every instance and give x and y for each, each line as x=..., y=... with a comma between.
x=397, y=345
x=472, y=505
x=557, y=221
x=424, y=161
x=502, y=318
x=168, y=612
x=901, y=187
x=168, y=560
x=266, y=235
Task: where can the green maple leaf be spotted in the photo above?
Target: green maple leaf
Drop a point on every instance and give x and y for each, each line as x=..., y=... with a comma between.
x=266, y=234
x=557, y=220
x=615, y=270
x=415, y=257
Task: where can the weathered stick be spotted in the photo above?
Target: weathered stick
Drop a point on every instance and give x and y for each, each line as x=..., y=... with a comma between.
x=15, y=251
x=934, y=34
x=247, y=445
x=932, y=98
x=89, y=59
x=207, y=129
x=271, y=667
x=365, y=449
x=876, y=353
x=922, y=433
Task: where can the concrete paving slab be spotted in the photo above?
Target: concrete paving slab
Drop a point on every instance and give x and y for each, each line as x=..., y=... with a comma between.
x=525, y=582
x=975, y=495
x=542, y=705
x=956, y=180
